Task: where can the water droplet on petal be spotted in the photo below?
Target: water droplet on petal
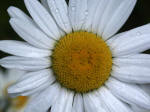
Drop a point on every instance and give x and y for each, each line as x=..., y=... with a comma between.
x=73, y=8
x=86, y=12
x=56, y=10
x=139, y=33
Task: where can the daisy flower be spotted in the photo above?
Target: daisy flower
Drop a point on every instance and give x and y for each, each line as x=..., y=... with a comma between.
x=9, y=104
x=75, y=62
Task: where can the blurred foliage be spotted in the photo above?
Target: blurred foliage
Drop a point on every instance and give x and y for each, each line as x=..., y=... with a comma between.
x=140, y=16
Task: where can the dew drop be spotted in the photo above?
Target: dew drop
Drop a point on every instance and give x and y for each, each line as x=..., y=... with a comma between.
x=73, y=8
x=56, y=10
x=86, y=12
x=66, y=24
x=139, y=33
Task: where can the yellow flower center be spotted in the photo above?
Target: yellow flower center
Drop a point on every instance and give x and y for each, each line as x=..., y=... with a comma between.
x=81, y=61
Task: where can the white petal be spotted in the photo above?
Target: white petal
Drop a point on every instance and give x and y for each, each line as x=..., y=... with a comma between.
x=118, y=18
x=22, y=49
x=98, y=14
x=113, y=9
x=78, y=13
x=32, y=80
x=59, y=11
x=138, y=109
x=91, y=6
x=137, y=56
x=129, y=93
x=137, y=59
x=27, y=32
x=111, y=102
x=43, y=18
x=45, y=4
x=63, y=102
x=78, y=104
x=68, y=105
x=120, y=38
x=108, y=12
x=92, y=103
x=112, y=40
x=32, y=34
x=134, y=45
x=133, y=41
x=132, y=74
x=15, y=12
x=146, y=88
x=35, y=90
x=44, y=100
x=24, y=63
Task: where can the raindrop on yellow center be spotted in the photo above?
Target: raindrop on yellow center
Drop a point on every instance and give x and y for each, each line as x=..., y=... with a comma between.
x=81, y=61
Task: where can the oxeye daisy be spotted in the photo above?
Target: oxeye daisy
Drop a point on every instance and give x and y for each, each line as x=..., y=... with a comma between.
x=8, y=104
x=75, y=62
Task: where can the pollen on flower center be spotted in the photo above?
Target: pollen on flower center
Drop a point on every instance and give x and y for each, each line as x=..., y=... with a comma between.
x=81, y=61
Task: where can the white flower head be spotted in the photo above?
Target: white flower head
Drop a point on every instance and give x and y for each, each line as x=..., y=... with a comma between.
x=7, y=103
x=75, y=62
